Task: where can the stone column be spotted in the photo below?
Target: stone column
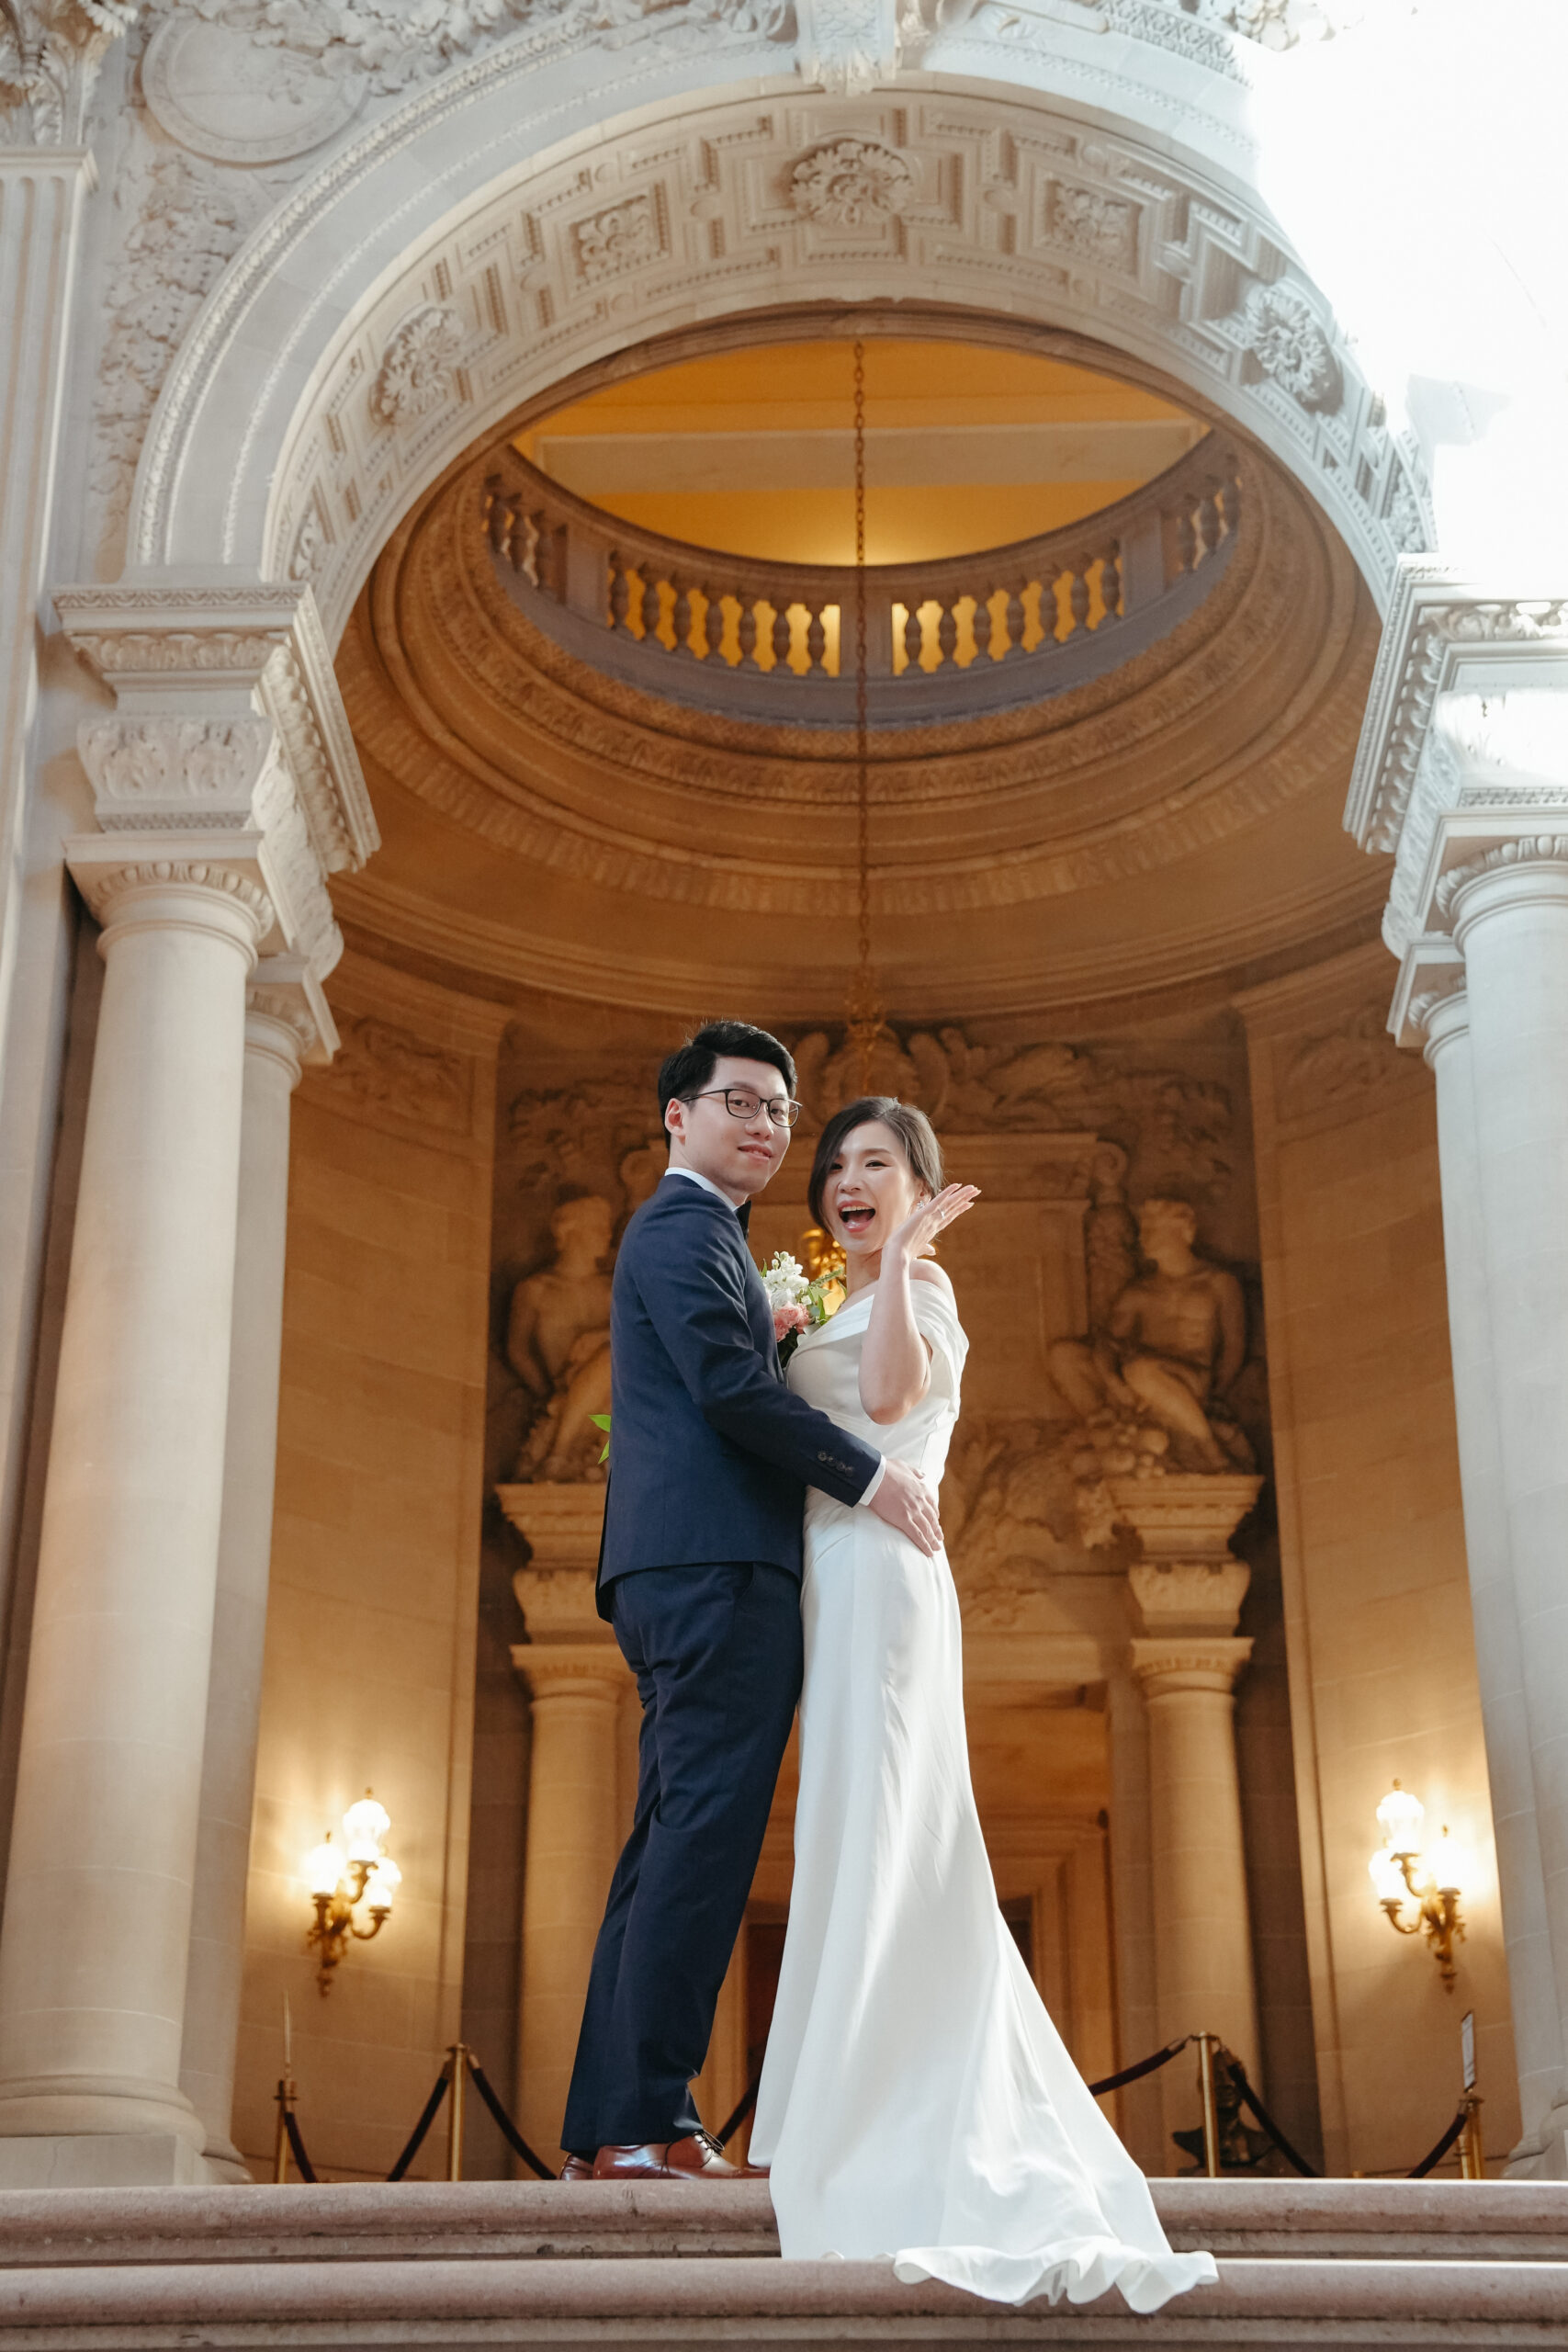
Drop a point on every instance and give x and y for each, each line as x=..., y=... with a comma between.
x=280, y=1025
x=1463, y=772
x=1510, y=916
x=1188, y=1589
x=577, y=1681
x=225, y=787
x=1537, y=2029
x=97, y=1908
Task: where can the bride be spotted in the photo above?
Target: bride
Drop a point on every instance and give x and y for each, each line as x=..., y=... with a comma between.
x=916, y=2099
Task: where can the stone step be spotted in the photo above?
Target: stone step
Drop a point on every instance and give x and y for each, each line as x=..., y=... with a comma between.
x=1274, y=2221
x=627, y=2305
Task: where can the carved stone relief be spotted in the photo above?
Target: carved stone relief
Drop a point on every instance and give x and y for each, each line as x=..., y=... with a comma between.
x=400, y=1078
x=1021, y=1509
x=418, y=366
x=1279, y=329
x=49, y=55
x=850, y=183
x=1355, y=1060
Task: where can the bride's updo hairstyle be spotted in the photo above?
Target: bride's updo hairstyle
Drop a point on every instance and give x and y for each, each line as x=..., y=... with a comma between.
x=912, y=1128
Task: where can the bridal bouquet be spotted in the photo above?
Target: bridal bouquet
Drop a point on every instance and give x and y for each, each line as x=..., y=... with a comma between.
x=799, y=1303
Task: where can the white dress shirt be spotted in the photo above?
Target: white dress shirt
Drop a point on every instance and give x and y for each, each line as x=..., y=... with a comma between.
x=708, y=1185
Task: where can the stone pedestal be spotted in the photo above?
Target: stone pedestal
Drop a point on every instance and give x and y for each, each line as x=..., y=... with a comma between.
x=577, y=1681
x=1189, y=1588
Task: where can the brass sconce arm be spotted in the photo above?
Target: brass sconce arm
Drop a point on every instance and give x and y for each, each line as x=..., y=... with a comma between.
x=339, y=1886
x=1393, y=1867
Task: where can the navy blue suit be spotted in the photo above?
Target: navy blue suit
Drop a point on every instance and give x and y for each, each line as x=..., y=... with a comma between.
x=699, y=1572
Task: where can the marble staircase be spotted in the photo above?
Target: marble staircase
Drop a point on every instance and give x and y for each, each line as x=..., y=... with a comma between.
x=1342, y=2263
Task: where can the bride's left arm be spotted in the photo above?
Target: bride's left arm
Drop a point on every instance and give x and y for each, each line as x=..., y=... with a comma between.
x=895, y=1361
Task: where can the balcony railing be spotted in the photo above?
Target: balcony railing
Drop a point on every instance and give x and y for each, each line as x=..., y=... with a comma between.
x=944, y=641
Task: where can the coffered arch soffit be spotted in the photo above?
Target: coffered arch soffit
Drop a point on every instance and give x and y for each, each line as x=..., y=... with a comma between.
x=517, y=223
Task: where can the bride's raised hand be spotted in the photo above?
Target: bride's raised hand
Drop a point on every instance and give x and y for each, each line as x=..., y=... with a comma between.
x=915, y=1238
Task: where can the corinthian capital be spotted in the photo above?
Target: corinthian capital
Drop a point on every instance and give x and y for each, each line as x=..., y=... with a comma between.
x=50, y=54
x=227, y=742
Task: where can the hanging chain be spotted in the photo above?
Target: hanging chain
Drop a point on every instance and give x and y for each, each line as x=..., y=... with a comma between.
x=865, y=1023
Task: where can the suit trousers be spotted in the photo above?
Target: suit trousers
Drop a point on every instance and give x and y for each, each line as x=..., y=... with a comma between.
x=716, y=1650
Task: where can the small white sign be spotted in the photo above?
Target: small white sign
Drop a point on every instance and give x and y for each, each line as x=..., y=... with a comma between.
x=1467, y=2047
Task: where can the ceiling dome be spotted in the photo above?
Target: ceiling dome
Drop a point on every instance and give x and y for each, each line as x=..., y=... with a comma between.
x=1171, y=823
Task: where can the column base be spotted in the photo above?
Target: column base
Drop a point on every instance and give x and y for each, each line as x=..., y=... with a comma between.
x=105, y=2160
x=1547, y=2156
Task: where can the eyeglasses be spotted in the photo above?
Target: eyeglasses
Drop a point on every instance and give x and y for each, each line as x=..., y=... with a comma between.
x=742, y=1104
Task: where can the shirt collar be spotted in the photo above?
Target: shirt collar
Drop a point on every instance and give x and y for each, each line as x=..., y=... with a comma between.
x=692, y=1175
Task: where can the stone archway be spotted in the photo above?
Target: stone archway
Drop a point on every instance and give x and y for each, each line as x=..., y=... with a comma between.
x=509, y=229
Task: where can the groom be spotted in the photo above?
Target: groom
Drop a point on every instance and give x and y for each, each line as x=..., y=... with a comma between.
x=699, y=1574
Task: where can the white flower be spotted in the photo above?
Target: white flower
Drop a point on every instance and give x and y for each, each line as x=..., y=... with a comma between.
x=784, y=1279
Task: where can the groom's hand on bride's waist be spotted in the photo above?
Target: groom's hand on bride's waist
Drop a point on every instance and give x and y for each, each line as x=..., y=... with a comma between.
x=906, y=1502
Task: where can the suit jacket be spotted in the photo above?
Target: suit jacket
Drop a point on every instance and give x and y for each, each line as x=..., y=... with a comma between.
x=710, y=1454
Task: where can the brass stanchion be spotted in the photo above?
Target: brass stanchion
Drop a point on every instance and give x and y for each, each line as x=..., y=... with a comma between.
x=1471, y=2147
x=1207, y=2043
x=286, y=2094
x=457, y=2062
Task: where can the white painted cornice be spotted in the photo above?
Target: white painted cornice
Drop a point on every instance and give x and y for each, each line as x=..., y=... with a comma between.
x=1442, y=635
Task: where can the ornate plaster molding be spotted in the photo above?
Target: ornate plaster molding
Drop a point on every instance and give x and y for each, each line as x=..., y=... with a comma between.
x=228, y=719
x=109, y=882
x=482, y=718
x=1015, y=203
x=49, y=55
x=1166, y=1668
x=1468, y=712
x=1519, y=855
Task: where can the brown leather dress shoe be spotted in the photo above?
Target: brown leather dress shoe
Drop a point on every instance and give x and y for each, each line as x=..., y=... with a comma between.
x=577, y=2168
x=695, y=2158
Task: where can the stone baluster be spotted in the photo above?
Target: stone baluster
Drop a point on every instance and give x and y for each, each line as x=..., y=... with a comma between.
x=914, y=640
x=782, y=636
x=284, y=1019
x=1109, y=561
x=1017, y=620
x=681, y=619
x=1079, y=595
x=816, y=641
x=1208, y=524
x=1186, y=539
x=651, y=608
x=1188, y=1589
x=577, y=1683
x=746, y=634
x=223, y=794
x=981, y=626
x=713, y=624
x=620, y=597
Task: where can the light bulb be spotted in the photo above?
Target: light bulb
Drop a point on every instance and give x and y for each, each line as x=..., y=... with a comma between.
x=1451, y=1864
x=1400, y=1816
x=1387, y=1876
x=382, y=1883
x=365, y=1825
x=321, y=1867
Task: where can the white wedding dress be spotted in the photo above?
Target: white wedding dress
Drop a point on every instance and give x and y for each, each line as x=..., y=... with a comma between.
x=915, y=2099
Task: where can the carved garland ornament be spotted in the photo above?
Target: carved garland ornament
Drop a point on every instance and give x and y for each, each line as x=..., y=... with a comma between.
x=850, y=184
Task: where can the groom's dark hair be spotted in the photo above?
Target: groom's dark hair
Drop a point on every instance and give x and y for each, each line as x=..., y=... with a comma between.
x=691, y=1067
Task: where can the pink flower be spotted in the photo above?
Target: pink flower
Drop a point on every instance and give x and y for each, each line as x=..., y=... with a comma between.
x=790, y=1318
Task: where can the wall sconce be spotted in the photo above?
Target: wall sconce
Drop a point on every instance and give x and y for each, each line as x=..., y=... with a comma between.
x=340, y=1877
x=1395, y=1869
